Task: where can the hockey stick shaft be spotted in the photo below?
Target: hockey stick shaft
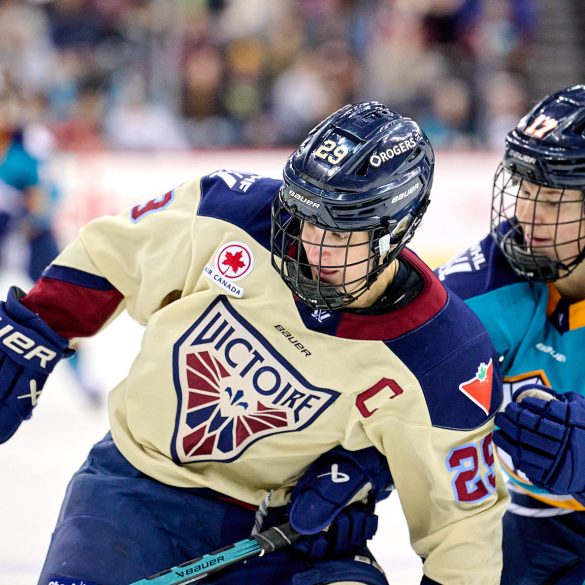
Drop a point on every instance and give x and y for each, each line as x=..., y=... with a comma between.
x=200, y=567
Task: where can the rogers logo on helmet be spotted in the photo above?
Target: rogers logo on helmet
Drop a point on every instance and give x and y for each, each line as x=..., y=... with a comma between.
x=304, y=199
x=378, y=158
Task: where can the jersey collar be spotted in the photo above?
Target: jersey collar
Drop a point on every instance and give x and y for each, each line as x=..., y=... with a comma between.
x=564, y=315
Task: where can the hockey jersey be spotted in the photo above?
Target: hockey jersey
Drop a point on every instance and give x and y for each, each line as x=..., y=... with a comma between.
x=19, y=171
x=239, y=386
x=538, y=335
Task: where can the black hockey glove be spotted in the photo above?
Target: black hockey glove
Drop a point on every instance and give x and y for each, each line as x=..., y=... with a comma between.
x=29, y=350
x=319, y=502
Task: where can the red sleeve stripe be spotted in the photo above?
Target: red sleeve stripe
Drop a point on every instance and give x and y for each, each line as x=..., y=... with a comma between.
x=71, y=309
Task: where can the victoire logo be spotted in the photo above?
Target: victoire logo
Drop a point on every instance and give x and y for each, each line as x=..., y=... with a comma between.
x=378, y=158
x=234, y=388
x=303, y=199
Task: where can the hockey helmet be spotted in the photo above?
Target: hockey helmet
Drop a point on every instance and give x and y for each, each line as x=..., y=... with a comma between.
x=364, y=169
x=544, y=153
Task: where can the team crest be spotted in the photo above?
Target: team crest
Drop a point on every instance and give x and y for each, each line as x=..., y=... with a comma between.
x=320, y=315
x=233, y=261
x=233, y=389
x=479, y=388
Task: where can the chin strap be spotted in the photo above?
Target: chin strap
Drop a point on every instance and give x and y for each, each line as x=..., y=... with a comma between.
x=526, y=263
x=317, y=294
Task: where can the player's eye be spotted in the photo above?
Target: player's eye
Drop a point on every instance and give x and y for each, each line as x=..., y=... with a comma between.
x=340, y=236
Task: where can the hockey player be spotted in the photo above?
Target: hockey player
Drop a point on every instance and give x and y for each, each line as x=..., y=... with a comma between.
x=24, y=200
x=526, y=281
x=27, y=200
x=285, y=321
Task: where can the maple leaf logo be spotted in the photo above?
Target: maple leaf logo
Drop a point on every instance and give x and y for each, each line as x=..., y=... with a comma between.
x=479, y=388
x=233, y=261
x=482, y=372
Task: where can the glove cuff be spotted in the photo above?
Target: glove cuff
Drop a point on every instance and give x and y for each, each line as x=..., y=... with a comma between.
x=28, y=340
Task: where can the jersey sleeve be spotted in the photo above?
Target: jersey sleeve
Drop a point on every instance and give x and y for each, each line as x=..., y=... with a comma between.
x=451, y=499
x=120, y=262
x=436, y=433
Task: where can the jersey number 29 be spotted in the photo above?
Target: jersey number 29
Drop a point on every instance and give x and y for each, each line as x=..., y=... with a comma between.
x=473, y=465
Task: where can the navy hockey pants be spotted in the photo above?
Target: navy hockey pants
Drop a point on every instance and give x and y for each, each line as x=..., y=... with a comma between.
x=544, y=551
x=117, y=526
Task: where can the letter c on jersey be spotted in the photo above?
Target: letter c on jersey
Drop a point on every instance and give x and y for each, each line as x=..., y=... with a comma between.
x=387, y=384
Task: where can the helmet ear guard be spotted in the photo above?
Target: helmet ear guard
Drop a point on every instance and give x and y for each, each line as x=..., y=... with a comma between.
x=363, y=169
x=547, y=150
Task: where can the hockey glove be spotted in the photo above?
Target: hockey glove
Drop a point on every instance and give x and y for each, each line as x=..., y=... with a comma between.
x=544, y=434
x=321, y=496
x=29, y=350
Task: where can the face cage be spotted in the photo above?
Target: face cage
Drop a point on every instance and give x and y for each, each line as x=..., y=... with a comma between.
x=291, y=262
x=536, y=261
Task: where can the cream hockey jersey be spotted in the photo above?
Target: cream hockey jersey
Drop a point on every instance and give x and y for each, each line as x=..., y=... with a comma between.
x=238, y=386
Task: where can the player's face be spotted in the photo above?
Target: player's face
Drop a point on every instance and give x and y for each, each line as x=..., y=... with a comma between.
x=337, y=258
x=551, y=220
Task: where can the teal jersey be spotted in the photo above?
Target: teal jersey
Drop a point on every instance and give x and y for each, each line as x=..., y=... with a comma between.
x=538, y=335
x=18, y=172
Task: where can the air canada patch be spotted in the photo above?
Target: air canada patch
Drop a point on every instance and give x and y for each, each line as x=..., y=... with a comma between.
x=233, y=389
x=233, y=261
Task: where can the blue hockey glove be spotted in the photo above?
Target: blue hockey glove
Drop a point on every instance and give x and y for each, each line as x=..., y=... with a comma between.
x=29, y=350
x=546, y=438
x=321, y=496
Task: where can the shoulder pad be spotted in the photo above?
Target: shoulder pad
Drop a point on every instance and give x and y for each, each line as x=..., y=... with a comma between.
x=243, y=199
x=478, y=270
x=456, y=365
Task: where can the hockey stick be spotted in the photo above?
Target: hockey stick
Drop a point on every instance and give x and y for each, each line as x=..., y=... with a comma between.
x=200, y=567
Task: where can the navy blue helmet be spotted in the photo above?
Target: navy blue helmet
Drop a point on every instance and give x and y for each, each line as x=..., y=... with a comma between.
x=364, y=169
x=543, y=165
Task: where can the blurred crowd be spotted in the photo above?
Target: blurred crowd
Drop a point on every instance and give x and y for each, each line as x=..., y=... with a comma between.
x=177, y=74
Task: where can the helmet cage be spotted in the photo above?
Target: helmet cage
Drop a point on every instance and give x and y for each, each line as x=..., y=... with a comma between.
x=362, y=177
x=527, y=243
x=289, y=258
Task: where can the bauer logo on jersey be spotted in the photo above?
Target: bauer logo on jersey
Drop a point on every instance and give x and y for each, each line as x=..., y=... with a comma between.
x=233, y=261
x=233, y=389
